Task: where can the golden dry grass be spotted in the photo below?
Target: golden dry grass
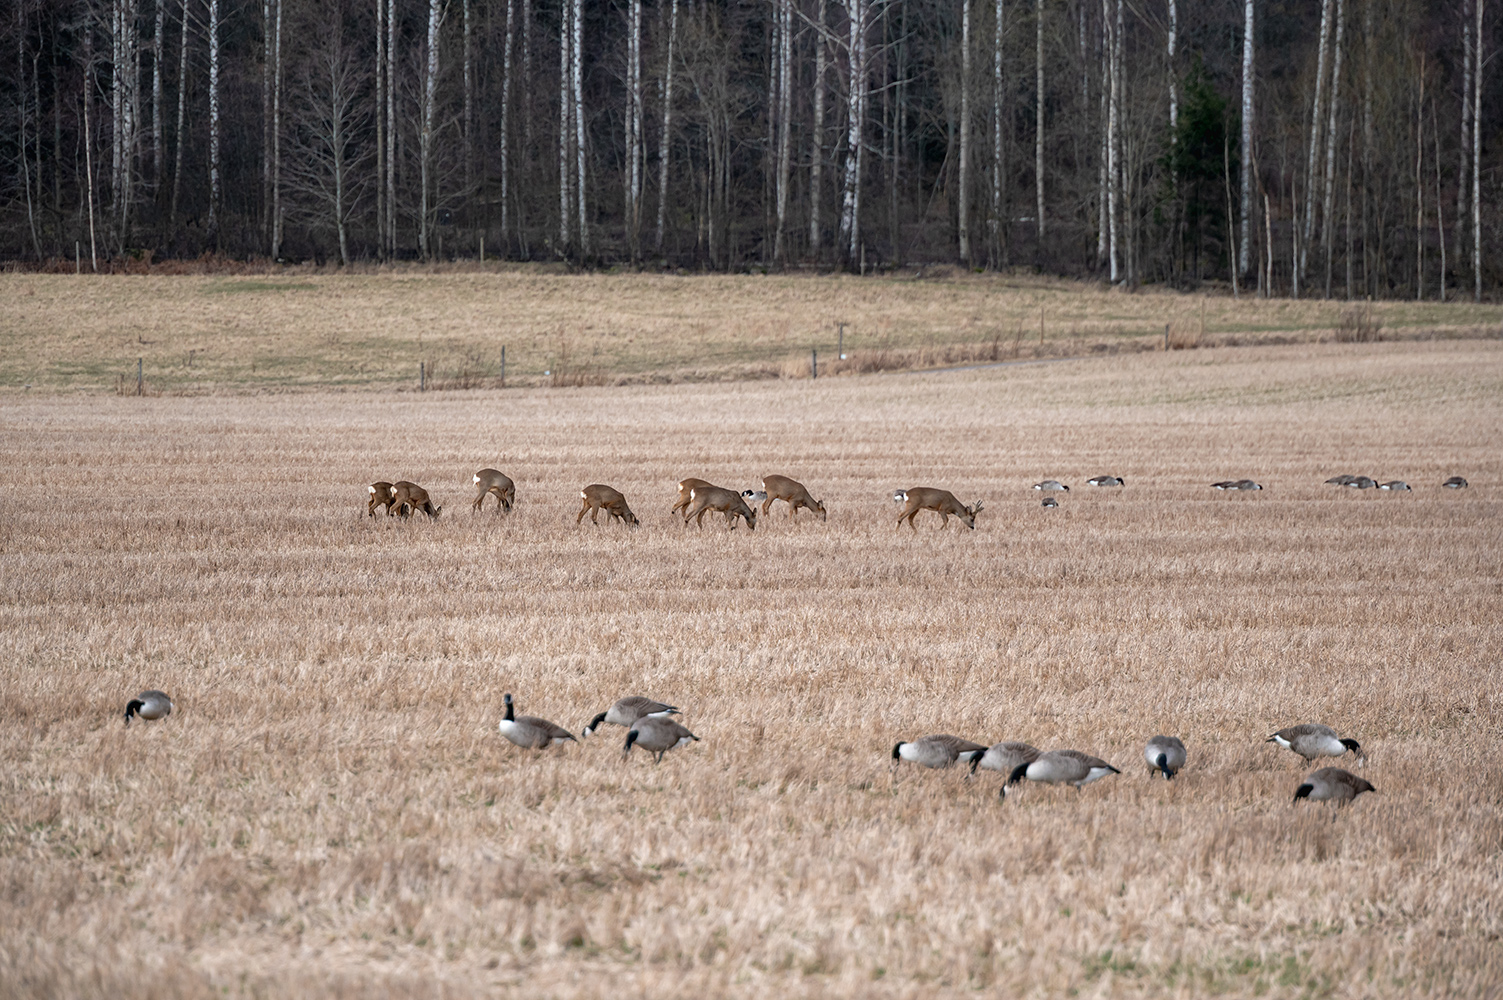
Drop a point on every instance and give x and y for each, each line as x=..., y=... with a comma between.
x=299, y=328
x=331, y=812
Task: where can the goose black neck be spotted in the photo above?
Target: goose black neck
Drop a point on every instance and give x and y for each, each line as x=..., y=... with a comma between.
x=1017, y=774
x=1303, y=792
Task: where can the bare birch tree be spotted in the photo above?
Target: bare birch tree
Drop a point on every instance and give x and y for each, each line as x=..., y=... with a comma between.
x=214, y=120
x=565, y=117
x=850, y=202
x=579, y=126
x=425, y=135
x=504, y=150
x=1330, y=179
x=1038, y=137
x=1316, y=130
x=998, y=9
x=817, y=133
x=1477, y=156
x=664, y=139
x=1249, y=79
x=963, y=195
x=784, y=122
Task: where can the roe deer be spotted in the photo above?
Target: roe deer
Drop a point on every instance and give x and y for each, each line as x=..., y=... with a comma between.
x=408, y=498
x=491, y=482
x=598, y=497
x=382, y=495
x=793, y=493
x=704, y=499
x=686, y=494
x=942, y=502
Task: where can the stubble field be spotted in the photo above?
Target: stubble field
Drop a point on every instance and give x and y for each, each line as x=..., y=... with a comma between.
x=330, y=810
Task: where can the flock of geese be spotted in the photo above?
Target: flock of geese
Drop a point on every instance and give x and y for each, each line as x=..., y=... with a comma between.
x=649, y=725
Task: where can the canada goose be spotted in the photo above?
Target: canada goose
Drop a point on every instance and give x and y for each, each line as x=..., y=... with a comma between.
x=1312, y=740
x=1342, y=480
x=1397, y=485
x=1362, y=483
x=1048, y=502
x=627, y=711
x=1454, y=483
x=939, y=750
x=530, y=732
x=1106, y=481
x=1164, y=753
x=1063, y=767
x=1005, y=756
x=754, y=496
x=1246, y=484
x=148, y=705
x=1332, y=784
x=1225, y=484
x=657, y=734
x=1051, y=484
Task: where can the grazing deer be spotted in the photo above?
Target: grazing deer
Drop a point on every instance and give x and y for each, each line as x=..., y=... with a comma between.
x=408, y=498
x=598, y=497
x=942, y=502
x=382, y=495
x=704, y=499
x=491, y=482
x=793, y=493
x=686, y=489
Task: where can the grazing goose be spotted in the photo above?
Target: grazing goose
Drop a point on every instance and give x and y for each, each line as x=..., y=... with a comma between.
x=1397, y=485
x=1106, y=481
x=1225, y=484
x=1063, y=767
x=1340, y=480
x=1005, y=756
x=1246, y=484
x=1164, y=753
x=754, y=496
x=1362, y=483
x=1454, y=483
x=530, y=732
x=657, y=734
x=148, y=705
x=1051, y=484
x=1332, y=784
x=939, y=750
x=1048, y=503
x=627, y=711
x=1312, y=740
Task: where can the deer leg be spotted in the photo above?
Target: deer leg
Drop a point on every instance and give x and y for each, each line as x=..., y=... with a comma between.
x=595, y=516
x=581, y=513
x=767, y=505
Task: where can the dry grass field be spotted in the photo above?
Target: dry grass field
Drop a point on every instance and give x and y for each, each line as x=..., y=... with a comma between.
x=331, y=812
x=298, y=328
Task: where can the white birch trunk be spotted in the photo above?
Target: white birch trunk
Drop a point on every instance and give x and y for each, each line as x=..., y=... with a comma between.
x=88, y=137
x=1173, y=77
x=1419, y=189
x=963, y=197
x=469, y=107
x=817, y=152
x=1114, y=101
x=565, y=133
x=785, y=114
x=1330, y=179
x=634, y=131
x=266, y=58
x=276, y=146
x=1440, y=215
x=1249, y=79
x=182, y=117
x=1103, y=154
x=850, y=203
x=214, y=120
x=505, y=150
x=579, y=127
x=391, y=127
x=159, y=45
x=1462, y=187
x=663, y=143
x=1311, y=177
x=381, y=126
x=996, y=213
x=1477, y=157
x=425, y=137
x=1038, y=144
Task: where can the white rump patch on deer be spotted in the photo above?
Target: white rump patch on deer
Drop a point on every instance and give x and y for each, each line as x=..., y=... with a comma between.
x=477, y=479
x=371, y=490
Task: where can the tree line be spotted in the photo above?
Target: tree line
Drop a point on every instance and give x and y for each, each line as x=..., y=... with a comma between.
x=1337, y=148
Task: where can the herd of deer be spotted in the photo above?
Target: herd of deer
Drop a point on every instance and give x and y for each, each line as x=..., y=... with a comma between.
x=696, y=498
